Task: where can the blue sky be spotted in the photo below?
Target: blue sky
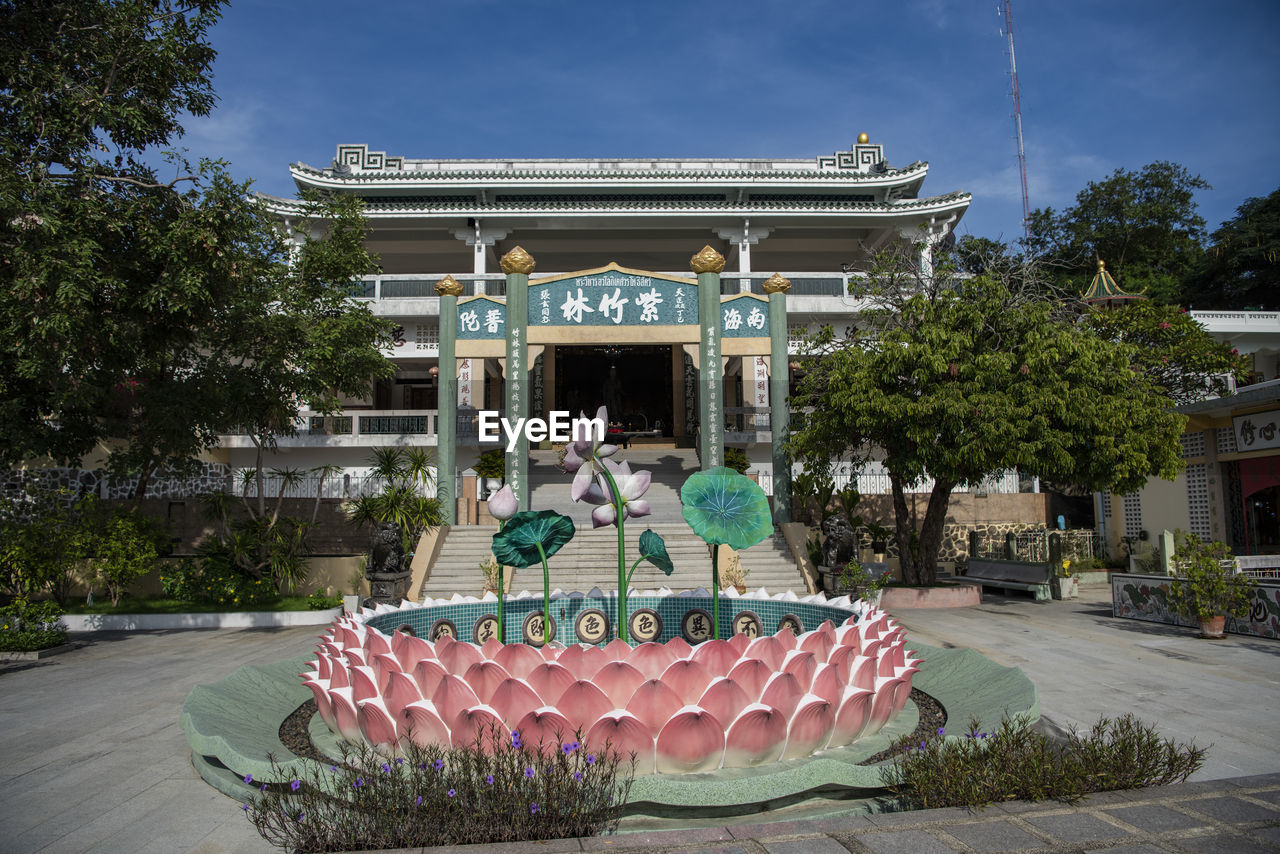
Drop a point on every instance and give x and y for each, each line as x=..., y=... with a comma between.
x=1105, y=85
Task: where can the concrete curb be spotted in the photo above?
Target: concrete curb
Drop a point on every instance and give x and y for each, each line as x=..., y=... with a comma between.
x=36, y=655
x=228, y=620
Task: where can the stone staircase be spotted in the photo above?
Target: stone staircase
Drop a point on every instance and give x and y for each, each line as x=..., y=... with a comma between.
x=590, y=559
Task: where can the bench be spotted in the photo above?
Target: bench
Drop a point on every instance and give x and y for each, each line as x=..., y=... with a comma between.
x=1033, y=578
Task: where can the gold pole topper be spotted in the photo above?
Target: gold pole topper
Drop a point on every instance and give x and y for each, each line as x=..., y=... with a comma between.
x=707, y=261
x=517, y=261
x=776, y=284
x=448, y=287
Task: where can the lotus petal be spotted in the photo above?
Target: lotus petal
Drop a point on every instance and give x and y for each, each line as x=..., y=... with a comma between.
x=691, y=741
x=717, y=656
x=752, y=675
x=549, y=679
x=739, y=641
x=339, y=675
x=654, y=703
x=769, y=650
x=818, y=642
x=427, y=673
x=593, y=658
x=617, y=649
x=355, y=656
x=842, y=659
x=623, y=733
x=884, y=664
x=862, y=672
x=376, y=643
x=756, y=737
x=490, y=648
x=512, y=698
x=800, y=664
x=903, y=692
x=828, y=685
x=687, y=678
x=364, y=683
x=871, y=648
x=783, y=692
x=457, y=656
x=384, y=664
x=453, y=695
x=851, y=720
x=519, y=659
x=651, y=659
x=619, y=680
x=583, y=703
x=679, y=647
x=847, y=636
x=323, y=705
x=478, y=726
x=724, y=698
x=484, y=677
x=571, y=658
x=347, y=637
x=545, y=729
x=420, y=723
x=810, y=728
x=344, y=714
x=323, y=668
x=410, y=650
x=402, y=690
x=882, y=705
x=376, y=722
x=787, y=639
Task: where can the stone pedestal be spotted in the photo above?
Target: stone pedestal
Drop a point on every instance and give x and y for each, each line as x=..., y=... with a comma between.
x=388, y=588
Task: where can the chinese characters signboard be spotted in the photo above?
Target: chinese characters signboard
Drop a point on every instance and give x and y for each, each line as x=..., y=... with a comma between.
x=1258, y=431
x=612, y=297
x=482, y=319
x=744, y=316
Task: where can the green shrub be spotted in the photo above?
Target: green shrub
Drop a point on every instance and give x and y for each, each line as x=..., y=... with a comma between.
x=216, y=580
x=30, y=626
x=126, y=551
x=1207, y=584
x=736, y=459
x=492, y=463
x=318, y=601
x=1016, y=763
x=442, y=796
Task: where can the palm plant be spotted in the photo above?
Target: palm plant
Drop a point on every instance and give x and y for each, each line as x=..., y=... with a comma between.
x=405, y=474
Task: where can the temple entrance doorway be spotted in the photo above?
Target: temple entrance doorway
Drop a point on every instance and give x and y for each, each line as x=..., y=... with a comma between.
x=633, y=380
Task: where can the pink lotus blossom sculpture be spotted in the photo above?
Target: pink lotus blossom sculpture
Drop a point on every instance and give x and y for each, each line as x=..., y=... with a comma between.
x=681, y=709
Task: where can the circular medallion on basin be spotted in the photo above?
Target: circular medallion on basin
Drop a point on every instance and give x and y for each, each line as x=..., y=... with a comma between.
x=486, y=627
x=791, y=623
x=591, y=626
x=645, y=625
x=696, y=625
x=532, y=629
x=440, y=628
x=746, y=623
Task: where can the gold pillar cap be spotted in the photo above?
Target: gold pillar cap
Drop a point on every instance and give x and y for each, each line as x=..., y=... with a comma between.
x=863, y=139
x=517, y=261
x=707, y=261
x=776, y=284
x=1102, y=265
x=449, y=287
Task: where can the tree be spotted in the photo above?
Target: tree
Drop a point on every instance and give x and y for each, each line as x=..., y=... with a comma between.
x=959, y=379
x=1143, y=224
x=1241, y=268
x=406, y=474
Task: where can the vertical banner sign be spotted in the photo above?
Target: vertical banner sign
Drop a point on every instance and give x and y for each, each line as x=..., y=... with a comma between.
x=707, y=264
x=466, y=392
x=759, y=384
x=518, y=264
x=779, y=407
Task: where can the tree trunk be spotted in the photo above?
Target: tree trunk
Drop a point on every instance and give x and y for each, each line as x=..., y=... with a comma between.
x=903, y=531
x=140, y=489
x=935, y=520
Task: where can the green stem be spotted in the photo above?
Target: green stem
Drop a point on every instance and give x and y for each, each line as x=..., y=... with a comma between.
x=631, y=571
x=502, y=596
x=715, y=591
x=546, y=597
x=624, y=577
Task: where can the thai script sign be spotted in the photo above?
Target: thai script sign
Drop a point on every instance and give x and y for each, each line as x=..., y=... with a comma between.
x=1257, y=431
x=612, y=298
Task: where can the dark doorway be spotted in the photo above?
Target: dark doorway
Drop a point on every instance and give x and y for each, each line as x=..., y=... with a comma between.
x=633, y=381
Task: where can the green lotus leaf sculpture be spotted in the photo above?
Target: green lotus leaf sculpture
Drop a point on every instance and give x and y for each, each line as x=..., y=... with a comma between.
x=654, y=549
x=531, y=537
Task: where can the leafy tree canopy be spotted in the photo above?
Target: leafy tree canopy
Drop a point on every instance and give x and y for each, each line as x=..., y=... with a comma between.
x=1143, y=224
x=1241, y=268
x=960, y=379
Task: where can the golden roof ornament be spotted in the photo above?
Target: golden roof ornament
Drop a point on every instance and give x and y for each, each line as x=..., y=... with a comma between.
x=863, y=139
x=517, y=261
x=448, y=287
x=776, y=284
x=707, y=261
x=1105, y=292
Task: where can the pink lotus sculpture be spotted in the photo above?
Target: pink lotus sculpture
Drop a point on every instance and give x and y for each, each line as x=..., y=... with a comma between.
x=724, y=703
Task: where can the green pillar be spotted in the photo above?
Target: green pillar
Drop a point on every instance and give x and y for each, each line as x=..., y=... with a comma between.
x=447, y=401
x=707, y=264
x=779, y=387
x=518, y=264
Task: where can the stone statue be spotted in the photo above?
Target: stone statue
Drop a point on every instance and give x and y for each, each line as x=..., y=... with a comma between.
x=387, y=569
x=840, y=545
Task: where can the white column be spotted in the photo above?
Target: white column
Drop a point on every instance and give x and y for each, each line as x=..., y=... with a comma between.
x=480, y=239
x=743, y=238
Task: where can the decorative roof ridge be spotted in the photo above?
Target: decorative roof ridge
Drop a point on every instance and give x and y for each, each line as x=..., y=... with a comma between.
x=467, y=203
x=405, y=174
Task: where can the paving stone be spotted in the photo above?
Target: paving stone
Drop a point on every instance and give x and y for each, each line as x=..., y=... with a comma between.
x=725, y=849
x=1232, y=809
x=1140, y=848
x=1272, y=797
x=897, y=819
x=657, y=839
x=904, y=842
x=1154, y=818
x=799, y=827
x=1076, y=827
x=1257, y=780
x=993, y=836
x=1271, y=834
x=812, y=845
x=1221, y=843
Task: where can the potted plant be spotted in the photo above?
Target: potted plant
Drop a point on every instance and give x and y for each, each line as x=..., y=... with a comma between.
x=854, y=578
x=491, y=466
x=879, y=535
x=491, y=570
x=1207, y=587
x=734, y=574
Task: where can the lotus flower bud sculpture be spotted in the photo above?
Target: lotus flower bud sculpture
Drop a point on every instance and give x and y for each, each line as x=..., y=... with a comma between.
x=724, y=703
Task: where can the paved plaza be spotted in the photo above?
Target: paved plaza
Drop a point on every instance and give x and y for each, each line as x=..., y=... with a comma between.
x=95, y=761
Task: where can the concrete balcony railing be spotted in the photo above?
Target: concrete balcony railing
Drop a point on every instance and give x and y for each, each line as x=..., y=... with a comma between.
x=355, y=428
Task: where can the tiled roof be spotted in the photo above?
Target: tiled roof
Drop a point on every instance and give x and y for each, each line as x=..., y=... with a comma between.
x=566, y=203
x=407, y=175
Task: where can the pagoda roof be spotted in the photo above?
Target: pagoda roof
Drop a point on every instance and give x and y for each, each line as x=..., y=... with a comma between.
x=1104, y=290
